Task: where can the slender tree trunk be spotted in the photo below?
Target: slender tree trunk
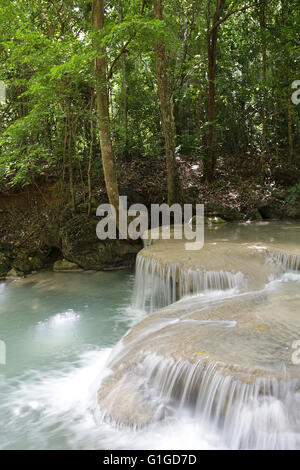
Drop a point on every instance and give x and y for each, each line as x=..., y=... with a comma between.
x=212, y=43
x=102, y=98
x=89, y=172
x=263, y=27
x=284, y=13
x=124, y=90
x=65, y=149
x=212, y=54
x=290, y=128
x=177, y=122
x=70, y=163
x=174, y=193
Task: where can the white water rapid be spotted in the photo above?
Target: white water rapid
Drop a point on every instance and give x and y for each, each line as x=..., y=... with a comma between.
x=212, y=351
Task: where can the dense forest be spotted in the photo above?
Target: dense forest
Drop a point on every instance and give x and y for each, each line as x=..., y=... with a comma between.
x=171, y=322
x=174, y=100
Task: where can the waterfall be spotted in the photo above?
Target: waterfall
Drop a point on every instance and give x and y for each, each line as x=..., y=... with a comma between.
x=255, y=413
x=289, y=262
x=260, y=414
x=228, y=364
x=157, y=285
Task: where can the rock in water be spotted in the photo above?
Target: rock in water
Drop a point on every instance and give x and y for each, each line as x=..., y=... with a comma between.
x=218, y=360
x=64, y=266
x=14, y=273
x=224, y=357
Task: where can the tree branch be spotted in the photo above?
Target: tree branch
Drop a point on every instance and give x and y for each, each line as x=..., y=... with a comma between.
x=124, y=48
x=228, y=14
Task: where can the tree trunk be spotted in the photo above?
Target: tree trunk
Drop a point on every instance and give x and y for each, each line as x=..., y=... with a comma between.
x=290, y=128
x=70, y=163
x=177, y=122
x=174, y=193
x=89, y=172
x=288, y=84
x=263, y=27
x=124, y=90
x=212, y=56
x=212, y=42
x=102, y=99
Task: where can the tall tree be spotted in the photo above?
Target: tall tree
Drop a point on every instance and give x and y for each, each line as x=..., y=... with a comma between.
x=102, y=98
x=124, y=93
x=166, y=111
x=213, y=22
x=263, y=27
x=212, y=42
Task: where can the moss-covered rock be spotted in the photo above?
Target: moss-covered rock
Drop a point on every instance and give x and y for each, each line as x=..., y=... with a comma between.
x=214, y=220
x=81, y=245
x=210, y=221
x=14, y=273
x=65, y=266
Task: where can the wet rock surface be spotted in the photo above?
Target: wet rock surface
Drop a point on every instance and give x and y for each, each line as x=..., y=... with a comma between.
x=80, y=245
x=223, y=347
x=65, y=266
x=169, y=354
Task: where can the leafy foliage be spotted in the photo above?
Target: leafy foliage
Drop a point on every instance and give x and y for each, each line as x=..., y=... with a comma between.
x=47, y=50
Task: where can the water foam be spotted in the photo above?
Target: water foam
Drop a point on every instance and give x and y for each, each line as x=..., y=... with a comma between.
x=60, y=409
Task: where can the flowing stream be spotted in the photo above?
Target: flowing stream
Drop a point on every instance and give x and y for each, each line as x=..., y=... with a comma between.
x=62, y=334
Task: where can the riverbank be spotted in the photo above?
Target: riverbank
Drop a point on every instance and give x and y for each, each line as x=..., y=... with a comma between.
x=38, y=225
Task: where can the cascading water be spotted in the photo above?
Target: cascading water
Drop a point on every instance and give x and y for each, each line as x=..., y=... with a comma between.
x=212, y=370
x=157, y=285
x=250, y=397
x=218, y=356
x=289, y=262
x=263, y=414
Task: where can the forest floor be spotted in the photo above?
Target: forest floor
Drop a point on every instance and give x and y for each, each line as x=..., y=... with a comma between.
x=238, y=183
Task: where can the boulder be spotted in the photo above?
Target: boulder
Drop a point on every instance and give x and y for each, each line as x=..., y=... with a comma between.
x=14, y=273
x=279, y=208
x=81, y=245
x=100, y=255
x=208, y=356
x=65, y=266
x=214, y=220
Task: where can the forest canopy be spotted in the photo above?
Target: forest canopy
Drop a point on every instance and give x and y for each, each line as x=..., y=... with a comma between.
x=208, y=81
